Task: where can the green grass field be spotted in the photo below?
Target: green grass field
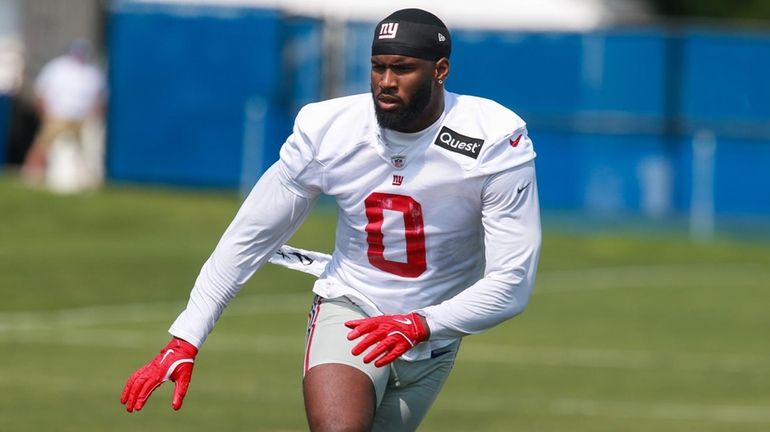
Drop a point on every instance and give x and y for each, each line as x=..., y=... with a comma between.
x=625, y=332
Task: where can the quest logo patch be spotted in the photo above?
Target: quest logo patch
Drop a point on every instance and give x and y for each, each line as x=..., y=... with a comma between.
x=459, y=143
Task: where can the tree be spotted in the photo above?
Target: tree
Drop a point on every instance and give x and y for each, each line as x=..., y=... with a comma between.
x=736, y=9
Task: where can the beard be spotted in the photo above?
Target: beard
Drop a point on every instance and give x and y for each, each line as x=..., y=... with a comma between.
x=401, y=119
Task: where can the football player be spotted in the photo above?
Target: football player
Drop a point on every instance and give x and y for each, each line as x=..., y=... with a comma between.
x=438, y=236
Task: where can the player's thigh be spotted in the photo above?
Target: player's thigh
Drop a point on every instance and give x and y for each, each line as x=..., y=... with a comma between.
x=327, y=344
x=326, y=340
x=412, y=389
x=338, y=397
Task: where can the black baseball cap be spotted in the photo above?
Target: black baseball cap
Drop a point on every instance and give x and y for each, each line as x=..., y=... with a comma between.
x=412, y=33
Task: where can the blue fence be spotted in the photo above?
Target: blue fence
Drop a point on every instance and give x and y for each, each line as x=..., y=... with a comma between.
x=205, y=96
x=614, y=113
x=194, y=89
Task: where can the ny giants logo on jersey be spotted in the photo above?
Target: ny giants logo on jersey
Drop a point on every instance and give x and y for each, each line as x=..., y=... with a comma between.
x=459, y=143
x=388, y=31
x=397, y=180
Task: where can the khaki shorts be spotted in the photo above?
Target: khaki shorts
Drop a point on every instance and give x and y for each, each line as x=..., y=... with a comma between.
x=52, y=128
x=405, y=390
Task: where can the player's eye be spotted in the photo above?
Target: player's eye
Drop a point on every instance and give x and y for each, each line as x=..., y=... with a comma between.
x=402, y=68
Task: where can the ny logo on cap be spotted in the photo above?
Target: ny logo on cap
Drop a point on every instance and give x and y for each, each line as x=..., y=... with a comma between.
x=388, y=31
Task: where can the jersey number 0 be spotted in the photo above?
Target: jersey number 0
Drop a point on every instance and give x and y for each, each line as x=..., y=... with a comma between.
x=414, y=233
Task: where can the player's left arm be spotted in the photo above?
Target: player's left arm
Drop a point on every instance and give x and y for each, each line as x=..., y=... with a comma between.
x=511, y=219
x=512, y=236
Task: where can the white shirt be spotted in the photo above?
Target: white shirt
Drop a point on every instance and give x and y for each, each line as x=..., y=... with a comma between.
x=448, y=225
x=70, y=89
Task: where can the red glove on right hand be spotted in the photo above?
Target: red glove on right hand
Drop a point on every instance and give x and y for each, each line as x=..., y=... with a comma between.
x=393, y=335
x=175, y=363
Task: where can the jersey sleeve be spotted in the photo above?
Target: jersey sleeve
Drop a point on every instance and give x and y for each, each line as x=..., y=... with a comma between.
x=299, y=170
x=511, y=150
x=512, y=238
x=268, y=217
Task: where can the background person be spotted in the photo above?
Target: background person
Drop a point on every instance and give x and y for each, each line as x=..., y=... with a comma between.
x=68, y=90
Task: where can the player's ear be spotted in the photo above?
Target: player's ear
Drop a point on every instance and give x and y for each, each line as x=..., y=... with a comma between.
x=441, y=69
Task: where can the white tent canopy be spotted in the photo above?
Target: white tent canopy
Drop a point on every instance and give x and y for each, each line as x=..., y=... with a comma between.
x=576, y=15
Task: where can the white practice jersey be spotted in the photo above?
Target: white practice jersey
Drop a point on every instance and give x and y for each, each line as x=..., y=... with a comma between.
x=70, y=89
x=444, y=221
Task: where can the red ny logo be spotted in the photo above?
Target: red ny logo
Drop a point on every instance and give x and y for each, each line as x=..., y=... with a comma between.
x=397, y=180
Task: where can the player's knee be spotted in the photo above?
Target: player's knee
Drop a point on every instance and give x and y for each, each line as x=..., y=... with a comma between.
x=321, y=419
x=325, y=423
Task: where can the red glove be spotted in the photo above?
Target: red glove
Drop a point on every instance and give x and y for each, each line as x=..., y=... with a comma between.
x=393, y=334
x=175, y=363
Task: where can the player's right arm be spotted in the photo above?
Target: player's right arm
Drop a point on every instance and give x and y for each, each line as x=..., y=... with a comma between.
x=268, y=217
x=272, y=212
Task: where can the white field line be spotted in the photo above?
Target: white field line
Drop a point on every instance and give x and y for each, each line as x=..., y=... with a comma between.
x=144, y=312
x=562, y=281
x=650, y=276
x=663, y=411
x=607, y=358
x=131, y=339
x=477, y=353
x=72, y=329
x=485, y=354
x=569, y=407
x=669, y=411
x=479, y=403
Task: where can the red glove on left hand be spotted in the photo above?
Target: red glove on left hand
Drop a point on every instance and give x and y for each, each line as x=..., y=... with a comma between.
x=393, y=334
x=175, y=363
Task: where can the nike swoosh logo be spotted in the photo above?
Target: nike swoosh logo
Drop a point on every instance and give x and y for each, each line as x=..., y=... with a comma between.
x=515, y=142
x=171, y=351
x=518, y=190
x=406, y=321
x=439, y=353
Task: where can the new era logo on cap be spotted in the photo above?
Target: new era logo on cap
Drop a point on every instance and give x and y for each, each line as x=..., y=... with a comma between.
x=441, y=38
x=388, y=30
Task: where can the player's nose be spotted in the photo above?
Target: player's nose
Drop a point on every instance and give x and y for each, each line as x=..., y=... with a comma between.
x=388, y=80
